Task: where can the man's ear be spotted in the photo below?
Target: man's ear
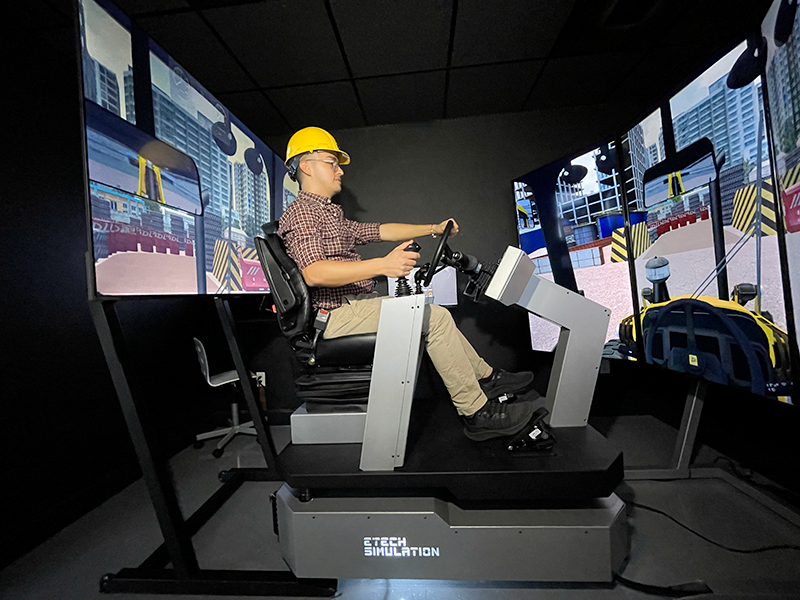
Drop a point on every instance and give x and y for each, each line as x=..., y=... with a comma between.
x=303, y=166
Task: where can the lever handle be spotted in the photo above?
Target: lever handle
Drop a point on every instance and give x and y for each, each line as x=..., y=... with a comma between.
x=413, y=247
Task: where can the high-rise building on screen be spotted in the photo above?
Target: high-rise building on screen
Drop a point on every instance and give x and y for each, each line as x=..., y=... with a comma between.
x=639, y=163
x=652, y=155
x=192, y=134
x=783, y=79
x=100, y=82
x=250, y=198
x=729, y=118
x=130, y=105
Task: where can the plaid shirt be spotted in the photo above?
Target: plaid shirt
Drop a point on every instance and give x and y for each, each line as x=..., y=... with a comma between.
x=314, y=228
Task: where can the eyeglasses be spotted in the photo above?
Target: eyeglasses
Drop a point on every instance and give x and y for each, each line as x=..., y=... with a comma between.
x=332, y=163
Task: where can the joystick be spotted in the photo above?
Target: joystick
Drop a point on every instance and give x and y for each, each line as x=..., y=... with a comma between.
x=402, y=288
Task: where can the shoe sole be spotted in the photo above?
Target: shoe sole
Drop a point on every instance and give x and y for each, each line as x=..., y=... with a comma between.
x=482, y=436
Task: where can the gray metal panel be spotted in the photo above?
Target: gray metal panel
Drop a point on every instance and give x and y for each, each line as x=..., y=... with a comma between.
x=286, y=533
x=394, y=375
x=511, y=277
x=327, y=428
x=427, y=538
x=580, y=345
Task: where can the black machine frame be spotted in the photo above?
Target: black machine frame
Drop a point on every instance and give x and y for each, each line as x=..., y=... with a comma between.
x=153, y=576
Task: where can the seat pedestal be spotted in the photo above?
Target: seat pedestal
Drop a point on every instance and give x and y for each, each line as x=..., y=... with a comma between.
x=428, y=538
x=327, y=428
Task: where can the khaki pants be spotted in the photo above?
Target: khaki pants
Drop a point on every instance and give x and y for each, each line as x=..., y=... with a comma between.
x=455, y=359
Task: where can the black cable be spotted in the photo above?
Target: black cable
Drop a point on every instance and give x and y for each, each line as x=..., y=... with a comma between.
x=681, y=590
x=748, y=475
x=710, y=541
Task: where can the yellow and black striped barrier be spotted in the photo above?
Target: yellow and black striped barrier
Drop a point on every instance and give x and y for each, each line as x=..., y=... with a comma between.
x=226, y=267
x=791, y=177
x=641, y=242
x=744, y=208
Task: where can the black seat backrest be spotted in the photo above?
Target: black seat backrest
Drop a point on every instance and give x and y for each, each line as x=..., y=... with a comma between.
x=288, y=288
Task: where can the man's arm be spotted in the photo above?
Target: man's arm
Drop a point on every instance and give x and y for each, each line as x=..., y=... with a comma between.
x=335, y=273
x=396, y=232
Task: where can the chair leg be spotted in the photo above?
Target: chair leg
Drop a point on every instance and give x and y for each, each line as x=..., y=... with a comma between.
x=213, y=434
x=247, y=429
x=224, y=431
x=228, y=433
x=228, y=437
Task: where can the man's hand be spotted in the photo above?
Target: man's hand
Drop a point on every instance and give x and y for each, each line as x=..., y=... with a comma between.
x=439, y=229
x=398, y=263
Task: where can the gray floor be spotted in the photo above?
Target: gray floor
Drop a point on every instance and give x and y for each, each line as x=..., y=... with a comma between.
x=123, y=531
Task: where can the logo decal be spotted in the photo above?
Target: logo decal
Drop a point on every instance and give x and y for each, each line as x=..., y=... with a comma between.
x=396, y=547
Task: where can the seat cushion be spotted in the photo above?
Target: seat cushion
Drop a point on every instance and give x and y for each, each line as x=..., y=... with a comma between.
x=349, y=350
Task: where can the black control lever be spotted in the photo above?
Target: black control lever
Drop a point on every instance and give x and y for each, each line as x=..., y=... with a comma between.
x=402, y=288
x=419, y=277
x=466, y=263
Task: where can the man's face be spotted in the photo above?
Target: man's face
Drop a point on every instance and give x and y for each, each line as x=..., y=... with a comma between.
x=323, y=168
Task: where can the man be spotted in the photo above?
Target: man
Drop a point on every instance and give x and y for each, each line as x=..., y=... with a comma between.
x=321, y=241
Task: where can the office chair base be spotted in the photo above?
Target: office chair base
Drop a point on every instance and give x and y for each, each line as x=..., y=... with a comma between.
x=226, y=433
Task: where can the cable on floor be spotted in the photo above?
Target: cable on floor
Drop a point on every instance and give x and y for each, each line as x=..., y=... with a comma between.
x=681, y=590
x=709, y=540
x=748, y=475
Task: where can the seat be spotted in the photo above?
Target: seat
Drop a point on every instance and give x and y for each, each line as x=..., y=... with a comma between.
x=236, y=428
x=336, y=371
x=722, y=345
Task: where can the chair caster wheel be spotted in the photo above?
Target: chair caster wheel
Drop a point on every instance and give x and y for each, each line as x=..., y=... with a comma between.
x=198, y=444
x=217, y=452
x=224, y=476
x=105, y=582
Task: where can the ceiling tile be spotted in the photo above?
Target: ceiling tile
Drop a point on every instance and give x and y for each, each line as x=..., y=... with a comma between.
x=579, y=80
x=37, y=15
x=490, y=89
x=401, y=98
x=591, y=27
x=187, y=39
x=328, y=105
x=138, y=7
x=282, y=42
x=714, y=24
x=403, y=36
x=654, y=75
x=507, y=29
x=253, y=109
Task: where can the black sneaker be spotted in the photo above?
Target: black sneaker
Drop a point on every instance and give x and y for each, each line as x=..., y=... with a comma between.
x=497, y=419
x=502, y=382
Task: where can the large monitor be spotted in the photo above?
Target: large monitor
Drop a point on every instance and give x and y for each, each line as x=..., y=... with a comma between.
x=587, y=197
x=711, y=243
x=209, y=212
x=781, y=30
x=145, y=205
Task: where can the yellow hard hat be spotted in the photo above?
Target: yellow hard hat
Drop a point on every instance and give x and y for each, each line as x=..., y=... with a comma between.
x=310, y=139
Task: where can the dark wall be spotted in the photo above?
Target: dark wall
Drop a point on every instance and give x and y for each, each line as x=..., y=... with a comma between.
x=464, y=168
x=65, y=445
